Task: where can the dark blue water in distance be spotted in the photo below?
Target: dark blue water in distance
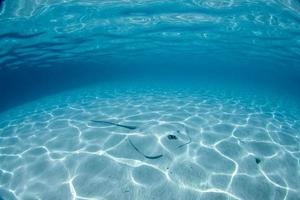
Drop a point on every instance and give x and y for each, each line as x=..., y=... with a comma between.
x=148, y=99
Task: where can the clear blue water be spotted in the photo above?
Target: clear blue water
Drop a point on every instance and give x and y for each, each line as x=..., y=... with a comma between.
x=146, y=99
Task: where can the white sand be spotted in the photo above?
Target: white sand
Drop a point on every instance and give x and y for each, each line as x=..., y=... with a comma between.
x=49, y=149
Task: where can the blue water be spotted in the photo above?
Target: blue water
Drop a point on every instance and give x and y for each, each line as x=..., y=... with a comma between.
x=148, y=99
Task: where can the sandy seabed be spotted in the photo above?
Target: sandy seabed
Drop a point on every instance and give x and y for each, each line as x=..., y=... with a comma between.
x=97, y=143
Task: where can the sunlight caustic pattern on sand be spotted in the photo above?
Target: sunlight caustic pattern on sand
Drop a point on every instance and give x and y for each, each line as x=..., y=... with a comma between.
x=220, y=147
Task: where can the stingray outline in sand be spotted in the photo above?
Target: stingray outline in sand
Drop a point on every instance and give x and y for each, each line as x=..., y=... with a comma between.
x=133, y=128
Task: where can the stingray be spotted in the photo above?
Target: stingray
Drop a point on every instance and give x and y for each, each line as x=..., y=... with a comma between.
x=111, y=123
x=149, y=157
